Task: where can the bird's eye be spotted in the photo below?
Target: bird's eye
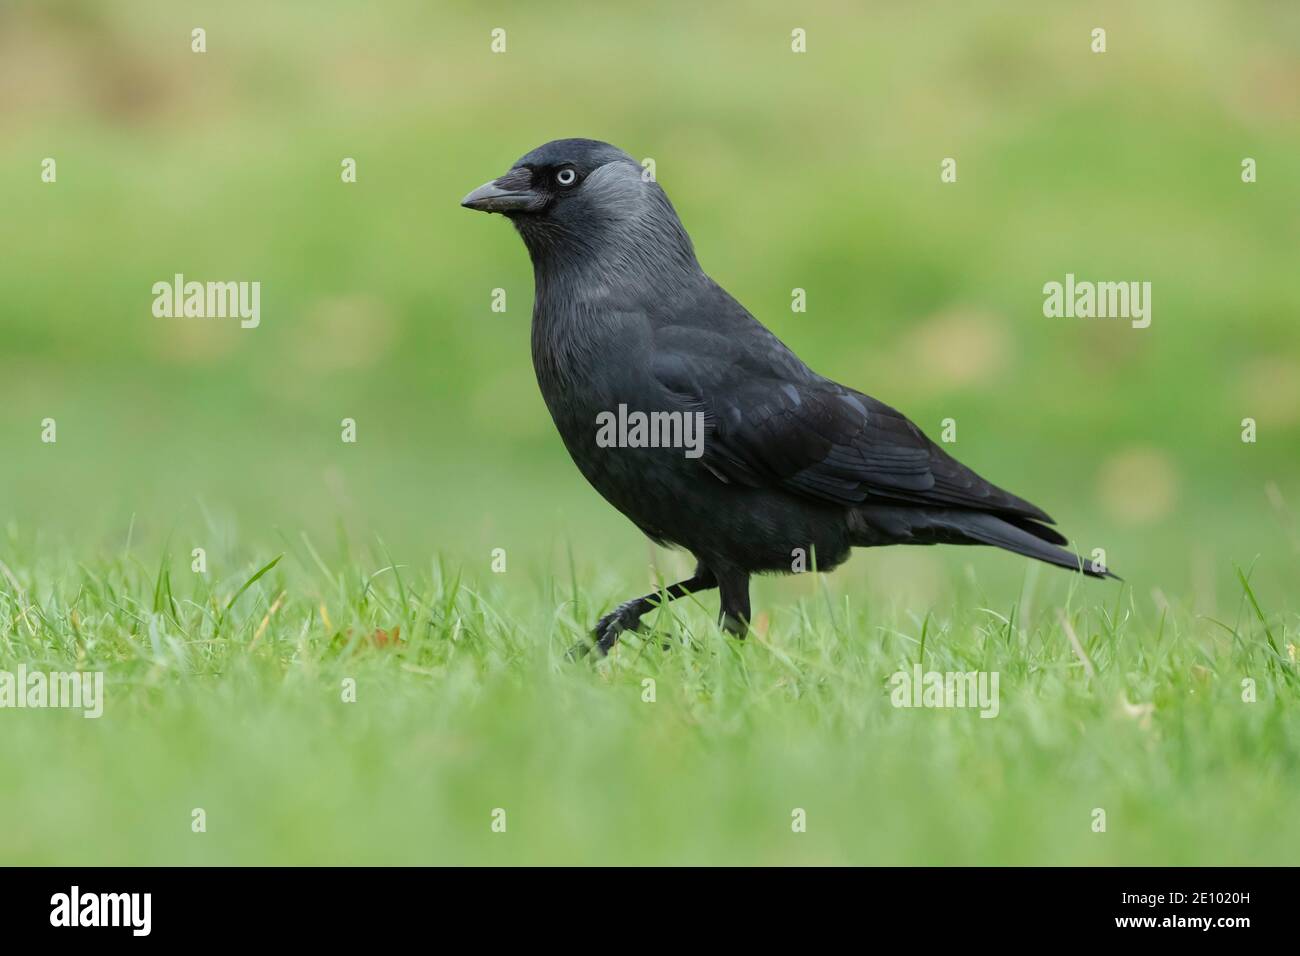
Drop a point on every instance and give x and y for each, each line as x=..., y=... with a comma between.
x=566, y=177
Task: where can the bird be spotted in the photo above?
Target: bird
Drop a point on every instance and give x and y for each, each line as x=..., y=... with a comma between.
x=787, y=465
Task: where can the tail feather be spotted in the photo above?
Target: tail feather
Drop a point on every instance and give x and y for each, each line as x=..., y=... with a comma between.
x=1029, y=541
x=1050, y=535
x=877, y=525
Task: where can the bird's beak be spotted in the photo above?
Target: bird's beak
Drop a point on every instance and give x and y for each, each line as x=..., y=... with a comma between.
x=510, y=193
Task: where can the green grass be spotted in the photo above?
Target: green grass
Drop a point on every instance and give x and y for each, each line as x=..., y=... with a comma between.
x=224, y=692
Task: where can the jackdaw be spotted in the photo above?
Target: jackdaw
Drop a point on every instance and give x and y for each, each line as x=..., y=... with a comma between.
x=627, y=329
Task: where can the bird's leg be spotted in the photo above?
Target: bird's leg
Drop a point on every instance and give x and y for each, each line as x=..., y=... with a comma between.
x=627, y=616
x=733, y=616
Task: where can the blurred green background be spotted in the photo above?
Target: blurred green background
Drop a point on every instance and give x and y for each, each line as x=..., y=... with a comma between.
x=816, y=170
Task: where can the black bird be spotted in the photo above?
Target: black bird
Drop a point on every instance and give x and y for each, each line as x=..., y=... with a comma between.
x=792, y=464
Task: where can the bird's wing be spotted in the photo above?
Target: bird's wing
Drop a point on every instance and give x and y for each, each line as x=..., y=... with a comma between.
x=772, y=422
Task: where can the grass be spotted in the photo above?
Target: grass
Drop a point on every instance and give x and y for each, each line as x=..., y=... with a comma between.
x=224, y=692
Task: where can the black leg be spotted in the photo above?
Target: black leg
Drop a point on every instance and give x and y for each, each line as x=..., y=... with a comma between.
x=734, y=613
x=627, y=616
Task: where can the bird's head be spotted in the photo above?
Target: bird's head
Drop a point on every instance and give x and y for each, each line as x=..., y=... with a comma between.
x=574, y=198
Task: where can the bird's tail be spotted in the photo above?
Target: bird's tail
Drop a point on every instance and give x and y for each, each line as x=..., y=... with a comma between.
x=1030, y=539
x=954, y=526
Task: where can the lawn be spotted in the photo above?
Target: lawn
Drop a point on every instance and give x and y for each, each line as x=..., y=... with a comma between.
x=683, y=746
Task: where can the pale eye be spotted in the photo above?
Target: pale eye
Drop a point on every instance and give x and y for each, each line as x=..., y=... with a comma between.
x=566, y=177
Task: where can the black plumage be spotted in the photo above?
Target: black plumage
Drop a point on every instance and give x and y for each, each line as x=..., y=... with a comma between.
x=791, y=462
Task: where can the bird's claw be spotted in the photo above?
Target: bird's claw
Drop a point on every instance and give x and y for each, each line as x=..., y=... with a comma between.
x=625, y=617
x=605, y=634
x=609, y=627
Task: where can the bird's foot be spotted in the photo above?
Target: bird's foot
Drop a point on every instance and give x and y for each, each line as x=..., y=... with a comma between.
x=735, y=626
x=625, y=617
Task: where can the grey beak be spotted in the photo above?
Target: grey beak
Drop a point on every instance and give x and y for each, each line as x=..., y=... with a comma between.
x=508, y=193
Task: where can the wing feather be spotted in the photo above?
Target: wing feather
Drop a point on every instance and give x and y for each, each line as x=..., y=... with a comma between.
x=775, y=423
